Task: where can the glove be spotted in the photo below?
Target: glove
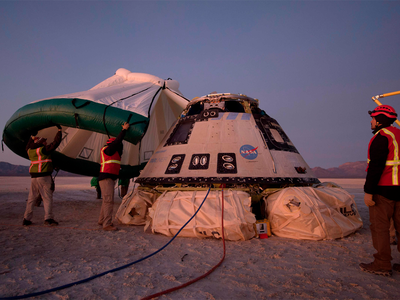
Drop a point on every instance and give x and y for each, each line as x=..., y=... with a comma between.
x=368, y=200
x=58, y=126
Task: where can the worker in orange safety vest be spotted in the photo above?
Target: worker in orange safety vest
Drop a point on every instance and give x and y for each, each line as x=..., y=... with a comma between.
x=382, y=188
x=42, y=184
x=110, y=163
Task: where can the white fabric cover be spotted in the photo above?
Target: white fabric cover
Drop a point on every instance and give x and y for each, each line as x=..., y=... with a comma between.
x=124, y=84
x=134, y=207
x=174, y=208
x=313, y=213
x=136, y=92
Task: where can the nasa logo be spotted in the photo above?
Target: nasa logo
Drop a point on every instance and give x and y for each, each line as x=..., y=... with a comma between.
x=249, y=152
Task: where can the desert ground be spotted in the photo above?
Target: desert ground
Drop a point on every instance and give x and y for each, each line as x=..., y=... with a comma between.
x=38, y=258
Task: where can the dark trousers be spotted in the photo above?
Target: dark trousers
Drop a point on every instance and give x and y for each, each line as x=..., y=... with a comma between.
x=379, y=216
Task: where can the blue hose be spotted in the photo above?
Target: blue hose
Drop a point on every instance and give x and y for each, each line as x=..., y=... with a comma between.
x=109, y=271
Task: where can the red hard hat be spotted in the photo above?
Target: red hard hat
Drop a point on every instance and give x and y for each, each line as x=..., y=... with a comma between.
x=386, y=110
x=110, y=140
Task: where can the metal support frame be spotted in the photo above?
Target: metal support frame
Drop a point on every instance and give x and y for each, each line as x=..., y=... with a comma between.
x=375, y=99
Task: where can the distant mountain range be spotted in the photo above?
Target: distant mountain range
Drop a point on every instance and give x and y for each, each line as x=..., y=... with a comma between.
x=347, y=170
x=7, y=169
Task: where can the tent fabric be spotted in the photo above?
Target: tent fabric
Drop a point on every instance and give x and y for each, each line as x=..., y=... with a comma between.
x=112, y=95
x=313, y=213
x=120, y=89
x=174, y=208
x=88, y=118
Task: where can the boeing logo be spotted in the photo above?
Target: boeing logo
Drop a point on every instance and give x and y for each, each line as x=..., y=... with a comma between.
x=347, y=213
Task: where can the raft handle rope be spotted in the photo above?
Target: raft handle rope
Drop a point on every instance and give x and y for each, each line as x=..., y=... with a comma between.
x=105, y=109
x=109, y=271
x=172, y=91
x=148, y=113
x=76, y=120
x=210, y=271
x=80, y=106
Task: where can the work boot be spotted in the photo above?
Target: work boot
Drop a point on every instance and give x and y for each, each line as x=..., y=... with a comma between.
x=396, y=267
x=50, y=222
x=374, y=269
x=110, y=228
x=25, y=222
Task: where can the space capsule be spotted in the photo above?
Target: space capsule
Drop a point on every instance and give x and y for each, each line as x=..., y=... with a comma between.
x=226, y=138
x=224, y=168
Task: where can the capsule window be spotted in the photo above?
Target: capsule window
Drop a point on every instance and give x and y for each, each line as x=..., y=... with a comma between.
x=175, y=164
x=226, y=163
x=199, y=161
x=273, y=133
x=181, y=133
x=234, y=106
x=195, y=109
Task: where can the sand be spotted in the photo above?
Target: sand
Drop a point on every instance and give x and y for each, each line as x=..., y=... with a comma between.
x=38, y=258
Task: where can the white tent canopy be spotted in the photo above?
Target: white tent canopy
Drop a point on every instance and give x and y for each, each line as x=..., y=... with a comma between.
x=140, y=86
x=150, y=104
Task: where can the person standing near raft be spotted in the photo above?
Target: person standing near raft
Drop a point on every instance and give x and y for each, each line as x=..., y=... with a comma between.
x=110, y=163
x=42, y=184
x=382, y=188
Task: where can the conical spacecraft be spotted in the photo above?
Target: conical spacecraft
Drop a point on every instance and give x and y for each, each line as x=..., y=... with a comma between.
x=226, y=138
x=227, y=160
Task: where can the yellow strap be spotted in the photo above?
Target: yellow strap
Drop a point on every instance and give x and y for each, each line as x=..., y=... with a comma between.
x=41, y=161
x=111, y=161
x=394, y=162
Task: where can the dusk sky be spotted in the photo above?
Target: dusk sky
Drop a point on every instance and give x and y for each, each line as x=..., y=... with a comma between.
x=314, y=65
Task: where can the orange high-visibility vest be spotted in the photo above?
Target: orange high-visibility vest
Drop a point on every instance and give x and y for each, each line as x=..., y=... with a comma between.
x=110, y=164
x=390, y=175
x=40, y=163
